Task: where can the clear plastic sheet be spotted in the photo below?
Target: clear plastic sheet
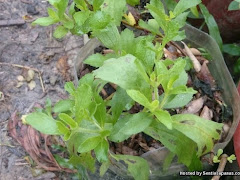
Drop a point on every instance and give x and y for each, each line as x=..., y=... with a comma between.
x=224, y=80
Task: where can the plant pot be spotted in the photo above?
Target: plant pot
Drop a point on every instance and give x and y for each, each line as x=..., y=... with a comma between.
x=221, y=74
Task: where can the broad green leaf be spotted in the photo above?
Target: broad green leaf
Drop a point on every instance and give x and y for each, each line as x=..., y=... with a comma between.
x=109, y=36
x=63, y=106
x=43, y=123
x=178, y=101
x=70, y=88
x=53, y=14
x=232, y=49
x=203, y=132
x=164, y=117
x=44, y=21
x=115, y=9
x=68, y=120
x=99, y=20
x=174, y=140
x=101, y=151
x=139, y=97
x=62, y=128
x=181, y=19
x=184, y=5
x=129, y=125
x=137, y=166
x=60, y=32
x=233, y=6
x=119, y=102
x=97, y=4
x=68, y=23
x=97, y=60
x=71, y=10
x=212, y=25
x=153, y=27
x=182, y=79
x=194, y=11
x=61, y=6
x=84, y=159
x=123, y=72
x=100, y=114
x=133, y=2
x=83, y=98
x=170, y=4
x=89, y=144
x=104, y=167
x=81, y=16
x=81, y=4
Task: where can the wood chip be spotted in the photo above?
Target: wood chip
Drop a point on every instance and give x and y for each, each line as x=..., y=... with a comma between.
x=194, y=106
x=206, y=113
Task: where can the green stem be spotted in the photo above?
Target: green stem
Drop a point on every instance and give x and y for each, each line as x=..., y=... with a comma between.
x=87, y=130
x=164, y=100
x=156, y=96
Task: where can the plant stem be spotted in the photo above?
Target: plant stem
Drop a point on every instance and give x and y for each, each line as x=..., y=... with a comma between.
x=221, y=166
x=164, y=100
x=87, y=130
x=156, y=92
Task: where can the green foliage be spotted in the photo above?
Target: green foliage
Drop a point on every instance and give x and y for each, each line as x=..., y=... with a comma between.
x=87, y=122
x=234, y=5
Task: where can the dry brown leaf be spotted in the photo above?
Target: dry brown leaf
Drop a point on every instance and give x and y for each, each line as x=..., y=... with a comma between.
x=30, y=75
x=205, y=75
x=20, y=78
x=206, y=113
x=63, y=67
x=32, y=85
x=129, y=151
x=194, y=106
x=19, y=84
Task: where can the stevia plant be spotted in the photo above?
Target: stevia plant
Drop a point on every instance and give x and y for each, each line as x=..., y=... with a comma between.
x=87, y=122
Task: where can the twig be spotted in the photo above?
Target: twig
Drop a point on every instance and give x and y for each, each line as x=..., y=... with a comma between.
x=104, y=93
x=109, y=97
x=196, y=64
x=8, y=145
x=221, y=166
x=27, y=67
x=11, y=22
x=21, y=164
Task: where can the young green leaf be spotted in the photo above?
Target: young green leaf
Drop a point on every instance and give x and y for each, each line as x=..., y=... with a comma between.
x=53, y=14
x=123, y=72
x=63, y=106
x=137, y=166
x=81, y=16
x=97, y=60
x=234, y=5
x=115, y=9
x=100, y=114
x=133, y=2
x=212, y=25
x=101, y=151
x=184, y=5
x=68, y=120
x=70, y=88
x=232, y=49
x=139, y=97
x=62, y=128
x=119, y=102
x=60, y=32
x=164, y=117
x=43, y=123
x=61, y=7
x=89, y=143
x=97, y=4
x=200, y=130
x=45, y=21
x=177, y=101
x=104, y=167
x=129, y=125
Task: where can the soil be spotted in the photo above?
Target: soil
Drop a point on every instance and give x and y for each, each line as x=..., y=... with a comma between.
x=33, y=47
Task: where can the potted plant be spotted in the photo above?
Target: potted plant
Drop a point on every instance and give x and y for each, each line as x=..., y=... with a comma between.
x=155, y=86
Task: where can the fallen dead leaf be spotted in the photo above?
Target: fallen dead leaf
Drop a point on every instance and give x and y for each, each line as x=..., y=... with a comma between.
x=206, y=113
x=20, y=78
x=194, y=106
x=30, y=75
x=205, y=75
x=19, y=84
x=63, y=67
x=32, y=85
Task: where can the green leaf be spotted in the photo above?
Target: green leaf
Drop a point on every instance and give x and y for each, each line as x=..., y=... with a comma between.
x=104, y=167
x=137, y=166
x=71, y=10
x=63, y=106
x=61, y=6
x=109, y=36
x=68, y=23
x=115, y=9
x=174, y=140
x=44, y=21
x=53, y=14
x=97, y=4
x=233, y=6
x=81, y=4
x=164, y=117
x=68, y=120
x=84, y=97
x=219, y=152
x=84, y=159
x=232, y=49
x=100, y=114
x=152, y=26
x=181, y=19
x=133, y=2
x=139, y=97
x=101, y=151
x=70, y=88
x=123, y=72
x=178, y=101
x=60, y=32
x=97, y=60
x=119, y=102
x=81, y=17
x=89, y=144
x=184, y=5
x=200, y=130
x=129, y=125
x=194, y=11
x=62, y=128
x=43, y=123
x=99, y=20
x=212, y=25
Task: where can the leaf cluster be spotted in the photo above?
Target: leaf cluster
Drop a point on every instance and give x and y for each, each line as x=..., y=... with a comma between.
x=88, y=123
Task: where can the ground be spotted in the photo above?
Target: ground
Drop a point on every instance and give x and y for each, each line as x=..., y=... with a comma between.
x=34, y=47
